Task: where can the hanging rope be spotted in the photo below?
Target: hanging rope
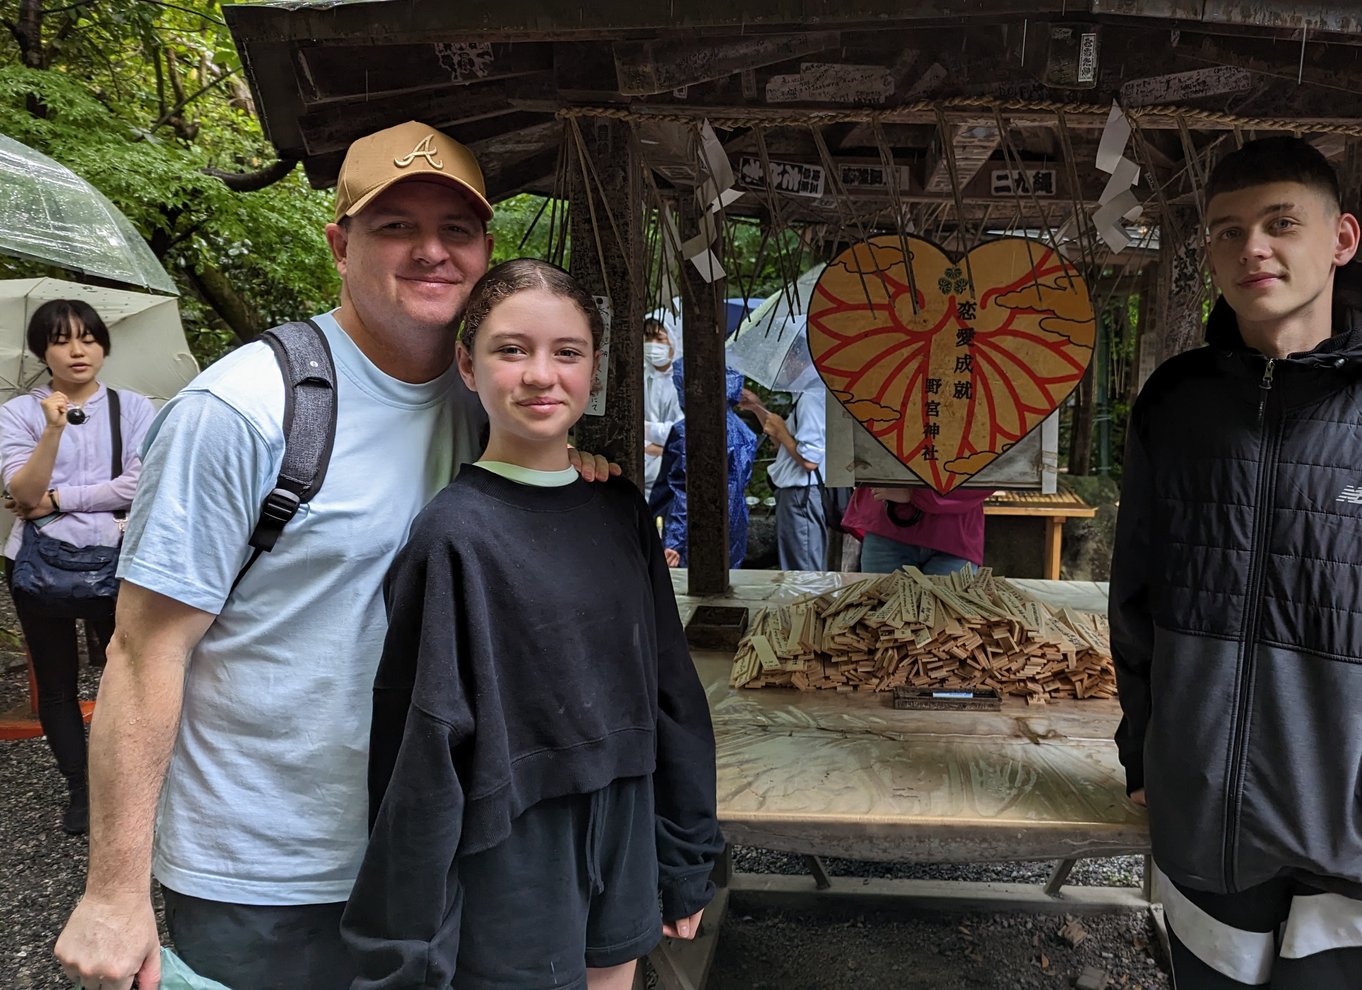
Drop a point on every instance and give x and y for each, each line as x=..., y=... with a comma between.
x=923, y=111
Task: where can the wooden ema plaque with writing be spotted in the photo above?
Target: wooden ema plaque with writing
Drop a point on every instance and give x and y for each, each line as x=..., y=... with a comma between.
x=949, y=384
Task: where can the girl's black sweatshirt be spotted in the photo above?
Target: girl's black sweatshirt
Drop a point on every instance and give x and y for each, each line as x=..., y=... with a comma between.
x=534, y=650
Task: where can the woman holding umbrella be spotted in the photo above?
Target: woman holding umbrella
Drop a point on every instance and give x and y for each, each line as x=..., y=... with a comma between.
x=69, y=458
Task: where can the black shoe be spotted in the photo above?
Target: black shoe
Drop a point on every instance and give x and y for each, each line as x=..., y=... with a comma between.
x=75, y=820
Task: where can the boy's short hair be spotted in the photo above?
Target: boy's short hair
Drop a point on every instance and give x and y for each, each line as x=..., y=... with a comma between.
x=1275, y=159
x=654, y=329
x=53, y=320
x=520, y=275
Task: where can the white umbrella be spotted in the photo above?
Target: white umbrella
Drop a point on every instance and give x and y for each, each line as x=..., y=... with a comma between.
x=49, y=213
x=149, y=351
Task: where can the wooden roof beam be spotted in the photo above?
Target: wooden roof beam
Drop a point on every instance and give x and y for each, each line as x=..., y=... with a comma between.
x=1338, y=16
x=648, y=67
x=532, y=173
x=972, y=146
x=332, y=126
x=415, y=21
x=328, y=72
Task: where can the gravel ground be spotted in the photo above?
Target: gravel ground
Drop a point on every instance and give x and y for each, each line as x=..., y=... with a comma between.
x=42, y=869
x=874, y=951
x=42, y=873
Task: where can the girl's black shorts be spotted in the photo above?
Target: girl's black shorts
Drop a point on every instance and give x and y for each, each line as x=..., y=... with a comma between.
x=574, y=885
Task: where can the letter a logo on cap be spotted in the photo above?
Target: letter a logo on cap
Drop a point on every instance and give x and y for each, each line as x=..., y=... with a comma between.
x=426, y=150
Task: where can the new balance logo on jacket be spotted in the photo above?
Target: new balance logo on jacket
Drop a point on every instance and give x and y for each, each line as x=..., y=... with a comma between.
x=1350, y=493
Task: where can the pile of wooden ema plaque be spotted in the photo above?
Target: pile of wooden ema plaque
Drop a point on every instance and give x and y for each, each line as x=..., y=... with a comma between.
x=957, y=631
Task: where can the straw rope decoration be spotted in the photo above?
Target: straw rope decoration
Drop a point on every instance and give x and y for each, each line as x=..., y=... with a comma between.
x=908, y=113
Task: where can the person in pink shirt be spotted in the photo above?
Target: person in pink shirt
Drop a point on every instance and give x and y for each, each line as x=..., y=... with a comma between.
x=937, y=534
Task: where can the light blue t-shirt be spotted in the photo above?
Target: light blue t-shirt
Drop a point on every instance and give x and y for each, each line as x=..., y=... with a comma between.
x=266, y=800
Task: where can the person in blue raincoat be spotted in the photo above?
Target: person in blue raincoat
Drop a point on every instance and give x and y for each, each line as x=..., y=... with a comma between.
x=742, y=452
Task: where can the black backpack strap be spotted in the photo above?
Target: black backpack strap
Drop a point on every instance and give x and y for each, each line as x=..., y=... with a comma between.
x=116, y=433
x=309, y=374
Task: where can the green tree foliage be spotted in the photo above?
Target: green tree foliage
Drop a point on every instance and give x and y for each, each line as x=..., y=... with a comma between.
x=528, y=226
x=145, y=100
x=760, y=261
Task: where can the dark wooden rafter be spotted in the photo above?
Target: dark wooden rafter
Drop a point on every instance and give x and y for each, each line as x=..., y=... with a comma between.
x=647, y=67
x=327, y=72
x=1336, y=17
x=334, y=125
x=396, y=22
x=510, y=177
x=971, y=147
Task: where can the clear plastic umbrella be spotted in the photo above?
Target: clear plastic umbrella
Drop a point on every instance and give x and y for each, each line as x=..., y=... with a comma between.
x=771, y=346
x=50, y=214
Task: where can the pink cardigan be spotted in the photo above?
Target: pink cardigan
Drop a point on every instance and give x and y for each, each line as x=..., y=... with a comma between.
x=952, y=524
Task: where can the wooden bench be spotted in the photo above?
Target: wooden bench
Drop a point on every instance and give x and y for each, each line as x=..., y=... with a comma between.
x=1054, y=509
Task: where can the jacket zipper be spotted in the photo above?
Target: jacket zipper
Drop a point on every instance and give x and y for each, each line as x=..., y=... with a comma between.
x=1265, y=387
x=1247, y=671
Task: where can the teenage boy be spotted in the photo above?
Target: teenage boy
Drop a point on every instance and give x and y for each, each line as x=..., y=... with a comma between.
x=1235, y=581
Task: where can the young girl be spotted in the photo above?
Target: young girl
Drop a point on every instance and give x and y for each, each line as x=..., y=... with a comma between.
x=542, y=762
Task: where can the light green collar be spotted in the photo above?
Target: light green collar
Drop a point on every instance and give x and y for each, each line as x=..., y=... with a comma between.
x=529, y=476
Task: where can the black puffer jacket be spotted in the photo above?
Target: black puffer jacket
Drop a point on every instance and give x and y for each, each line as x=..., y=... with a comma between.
x=1236, y=609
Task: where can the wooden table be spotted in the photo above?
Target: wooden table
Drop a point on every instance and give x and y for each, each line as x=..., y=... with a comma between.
x=1054, y=509
x=846, y=774
x=827, y=774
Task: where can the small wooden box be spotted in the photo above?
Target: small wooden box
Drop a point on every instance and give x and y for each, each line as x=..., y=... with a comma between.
x=716, y=627
x=940, y=699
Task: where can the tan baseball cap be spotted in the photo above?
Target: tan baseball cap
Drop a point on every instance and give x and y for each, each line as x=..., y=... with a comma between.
x=407, y=151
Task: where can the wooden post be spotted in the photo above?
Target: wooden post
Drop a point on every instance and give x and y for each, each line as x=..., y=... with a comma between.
x=706, y=405
x=1182, y=286
x=1080, y=433
x=1147, y=345
x=607, y=258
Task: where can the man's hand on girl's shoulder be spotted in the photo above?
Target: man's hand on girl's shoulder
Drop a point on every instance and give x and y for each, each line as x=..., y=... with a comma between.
x=592, y=467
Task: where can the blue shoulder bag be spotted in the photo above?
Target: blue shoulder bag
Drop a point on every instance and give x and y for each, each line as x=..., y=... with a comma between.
x=68, y=581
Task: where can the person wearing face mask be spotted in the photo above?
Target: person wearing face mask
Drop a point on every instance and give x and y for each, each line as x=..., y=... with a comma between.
x=661, y=407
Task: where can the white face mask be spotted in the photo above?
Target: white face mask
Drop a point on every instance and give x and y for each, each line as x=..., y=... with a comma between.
x=657, y=355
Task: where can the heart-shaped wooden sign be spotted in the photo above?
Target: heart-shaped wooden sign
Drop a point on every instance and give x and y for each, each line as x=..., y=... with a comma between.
x=949, y=363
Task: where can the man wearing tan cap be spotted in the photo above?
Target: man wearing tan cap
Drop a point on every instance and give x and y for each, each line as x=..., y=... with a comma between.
x=246, y=709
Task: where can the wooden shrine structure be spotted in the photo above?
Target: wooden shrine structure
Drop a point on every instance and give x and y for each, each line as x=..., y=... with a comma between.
x=955, y=120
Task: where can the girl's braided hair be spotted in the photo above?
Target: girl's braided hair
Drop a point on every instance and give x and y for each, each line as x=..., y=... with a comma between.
x=520, y=275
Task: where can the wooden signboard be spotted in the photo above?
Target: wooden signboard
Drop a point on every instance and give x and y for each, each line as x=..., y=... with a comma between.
x=1180, y=87
x=792, y=178
x=946, y=363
